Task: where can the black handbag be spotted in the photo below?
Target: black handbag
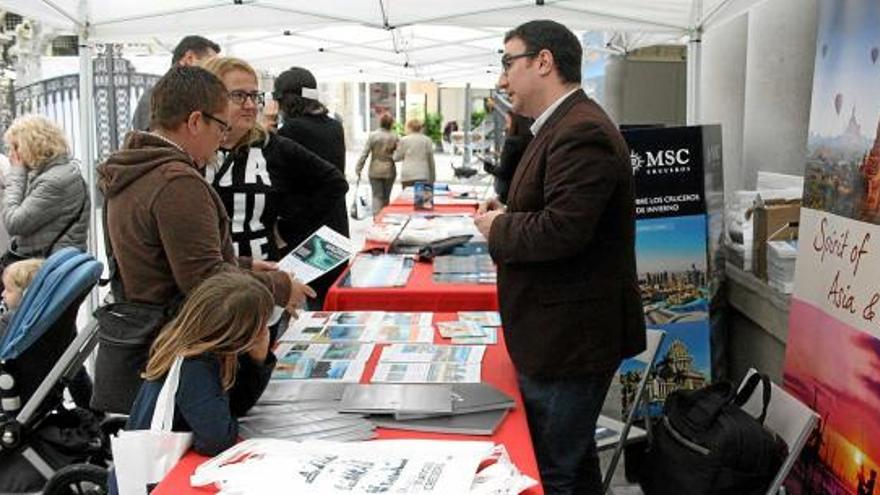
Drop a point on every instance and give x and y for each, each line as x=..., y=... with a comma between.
x=126, y=330
x=707, y=445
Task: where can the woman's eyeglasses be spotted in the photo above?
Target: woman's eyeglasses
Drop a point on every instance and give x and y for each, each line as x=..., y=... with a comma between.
x=239, y=97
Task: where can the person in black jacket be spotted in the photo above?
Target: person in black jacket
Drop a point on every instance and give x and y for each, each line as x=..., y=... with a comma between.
x=191, y=50
x=305, y=120
x=516, y=140
x=221, y=334
x=275, y=190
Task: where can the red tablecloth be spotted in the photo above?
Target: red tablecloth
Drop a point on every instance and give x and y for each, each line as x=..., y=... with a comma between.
x=421, y=293
x=497, y=370
x=441, y=203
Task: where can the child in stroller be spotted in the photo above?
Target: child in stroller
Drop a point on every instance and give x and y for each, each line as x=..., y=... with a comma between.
x=16, y=278
x=42, y=442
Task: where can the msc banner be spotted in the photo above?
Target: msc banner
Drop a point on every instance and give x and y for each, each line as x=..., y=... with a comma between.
x=832, y=360
x=678, y=187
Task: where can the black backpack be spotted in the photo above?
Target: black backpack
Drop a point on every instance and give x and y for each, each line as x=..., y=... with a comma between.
x=706, y=444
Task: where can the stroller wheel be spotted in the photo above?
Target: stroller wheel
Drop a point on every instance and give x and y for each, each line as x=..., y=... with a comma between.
x=77, y=479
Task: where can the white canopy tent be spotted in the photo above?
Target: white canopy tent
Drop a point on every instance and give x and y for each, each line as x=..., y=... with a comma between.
x=444, y=41
x=371, y=39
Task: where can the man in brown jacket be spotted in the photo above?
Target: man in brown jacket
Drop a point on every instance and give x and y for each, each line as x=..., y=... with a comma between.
x=565, y=250
x=167, y=227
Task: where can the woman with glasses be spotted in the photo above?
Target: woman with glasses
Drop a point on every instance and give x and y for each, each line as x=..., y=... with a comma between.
x=275, y=191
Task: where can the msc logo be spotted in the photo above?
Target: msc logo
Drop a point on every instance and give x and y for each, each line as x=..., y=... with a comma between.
x=636, y=161
x=661, y=161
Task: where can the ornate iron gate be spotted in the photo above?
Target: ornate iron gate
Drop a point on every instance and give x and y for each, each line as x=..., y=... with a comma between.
x=116, y=93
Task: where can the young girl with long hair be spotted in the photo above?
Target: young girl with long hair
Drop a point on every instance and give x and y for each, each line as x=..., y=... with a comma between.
x=222, y=335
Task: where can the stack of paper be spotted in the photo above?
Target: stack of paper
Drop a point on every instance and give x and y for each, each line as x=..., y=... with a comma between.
x=467, y=269
x=477, y=409
x=303, y=410
x=305, y=420
x=781, y=257
x=394, y=398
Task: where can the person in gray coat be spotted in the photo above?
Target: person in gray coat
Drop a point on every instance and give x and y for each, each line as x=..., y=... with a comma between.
x=46, y=202
x=416, y=154
x=382, y=172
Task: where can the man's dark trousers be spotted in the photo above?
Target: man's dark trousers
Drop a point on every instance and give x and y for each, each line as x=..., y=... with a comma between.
x=562, y=415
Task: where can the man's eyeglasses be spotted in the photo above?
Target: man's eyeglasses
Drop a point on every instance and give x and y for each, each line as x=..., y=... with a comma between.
x=224, y=127
x=507, y=60
x=239, y=97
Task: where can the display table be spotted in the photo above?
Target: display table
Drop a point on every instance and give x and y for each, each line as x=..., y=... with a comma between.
x=421, y=293
x=497, y=370
x=446, y=199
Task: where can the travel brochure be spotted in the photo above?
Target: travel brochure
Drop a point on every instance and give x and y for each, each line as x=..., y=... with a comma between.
x=453, y=329
x=435, y=372
x=361, y=326
x=465, y=269
x=484, y=318
x=424, y=229
x=426, y=353
x=472, y=328
x=489, y=337
x=321, y=252
x=379, y=270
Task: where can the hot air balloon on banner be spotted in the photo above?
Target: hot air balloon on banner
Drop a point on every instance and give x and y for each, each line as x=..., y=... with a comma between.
x=838, y=103
x=874, y=53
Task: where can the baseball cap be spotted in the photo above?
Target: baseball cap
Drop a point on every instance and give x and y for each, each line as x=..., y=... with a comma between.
x=298, y=81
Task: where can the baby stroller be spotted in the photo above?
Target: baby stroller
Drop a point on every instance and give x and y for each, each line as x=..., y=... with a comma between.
x=43, y=445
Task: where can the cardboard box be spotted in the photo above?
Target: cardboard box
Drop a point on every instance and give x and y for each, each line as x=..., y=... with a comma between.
x=773, y=220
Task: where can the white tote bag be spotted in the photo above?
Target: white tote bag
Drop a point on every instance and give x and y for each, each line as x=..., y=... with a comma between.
x=144, y=457
x=358, y=210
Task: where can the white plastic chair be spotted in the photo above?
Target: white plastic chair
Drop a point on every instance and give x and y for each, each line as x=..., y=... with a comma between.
x=787, y=417
x=624, y=433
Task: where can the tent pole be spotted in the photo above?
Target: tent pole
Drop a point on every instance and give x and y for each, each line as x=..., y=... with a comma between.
x=87, y=133
x=466, y=152
x=694, y=64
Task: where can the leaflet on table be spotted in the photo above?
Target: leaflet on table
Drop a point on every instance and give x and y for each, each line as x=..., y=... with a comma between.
x=332, y=351
x=490, y=338
x=372, y=326
x=451, y=329
x=318, y=467
x=321, y=252
x=428, y=353
x=381, y=270
x=484, y=318
x=309, y=326
x=296, y=366
x=426, y=373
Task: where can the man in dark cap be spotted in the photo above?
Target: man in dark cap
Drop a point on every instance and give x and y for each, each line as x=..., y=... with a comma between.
x=305, y=120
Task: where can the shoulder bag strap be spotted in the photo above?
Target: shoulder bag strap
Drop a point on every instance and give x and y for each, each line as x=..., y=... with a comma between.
x=163, y=413
x=749, y=388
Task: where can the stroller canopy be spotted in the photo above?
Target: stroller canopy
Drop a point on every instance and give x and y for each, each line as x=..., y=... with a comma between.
x=64, y=277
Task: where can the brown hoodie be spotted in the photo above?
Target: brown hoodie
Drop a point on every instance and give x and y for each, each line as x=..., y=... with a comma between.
x=168, y=228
